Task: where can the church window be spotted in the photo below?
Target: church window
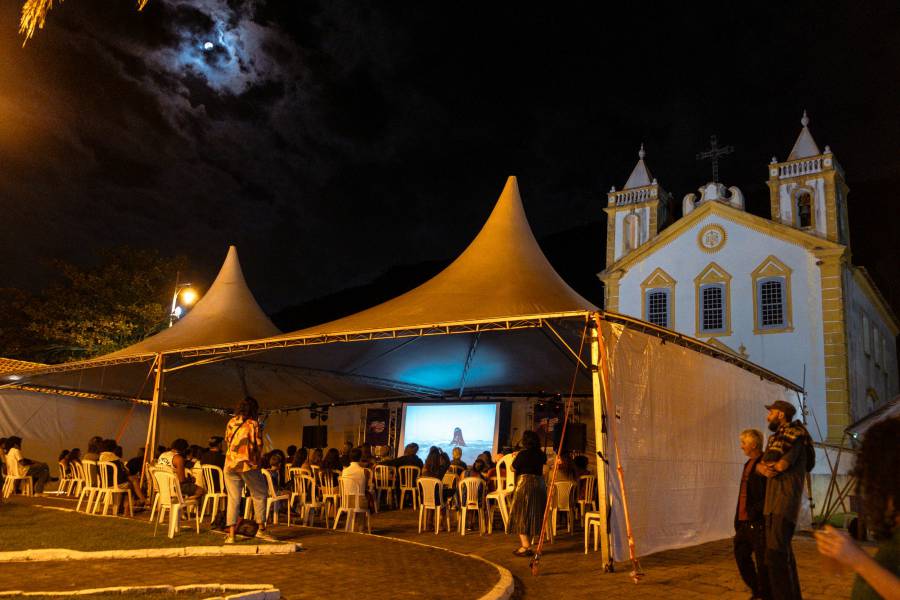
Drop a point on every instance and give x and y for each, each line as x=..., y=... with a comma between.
x=876, y=346
x=712, y=289
x=772, y=309
x=803, y=209
x=658, y=299
x=712, y=307
x=632, y=226
x=657, y=303
x=771, y=303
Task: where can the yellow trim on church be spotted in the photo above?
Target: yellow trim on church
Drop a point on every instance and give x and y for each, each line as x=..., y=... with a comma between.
x=713, y=273
x=834, y=329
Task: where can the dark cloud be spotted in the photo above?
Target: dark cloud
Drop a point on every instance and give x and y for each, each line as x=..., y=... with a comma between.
x=330, y=140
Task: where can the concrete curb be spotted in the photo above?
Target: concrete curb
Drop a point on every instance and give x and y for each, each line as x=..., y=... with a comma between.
x=241, y=591
x=49, y=554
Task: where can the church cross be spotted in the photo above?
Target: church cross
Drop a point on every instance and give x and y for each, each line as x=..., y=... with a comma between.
x=713, y=155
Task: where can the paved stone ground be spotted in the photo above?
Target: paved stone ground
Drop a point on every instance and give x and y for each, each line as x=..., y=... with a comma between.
x=339, y=565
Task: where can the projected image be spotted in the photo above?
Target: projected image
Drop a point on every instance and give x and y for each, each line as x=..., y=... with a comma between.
x=470, y=427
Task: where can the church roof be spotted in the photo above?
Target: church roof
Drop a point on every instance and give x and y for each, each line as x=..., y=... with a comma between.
x=640, y=175
x=805, y=146
x=778, y=230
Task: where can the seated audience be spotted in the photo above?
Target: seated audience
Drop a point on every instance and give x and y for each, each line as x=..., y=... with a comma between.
x=434, y=464
x=134, y=466
x=73, y=457
x=299, y=459
x=366, y=458
x=409, y=458
x=355, y=472
x=38, y=471
x=289, y=454
x=93, y=449
x=345, y=454
x=457, y=459
x=275, y=464
x=213, y=454
x=314, y=459
x=331, y=464
x=108, y=454
x=174, y=459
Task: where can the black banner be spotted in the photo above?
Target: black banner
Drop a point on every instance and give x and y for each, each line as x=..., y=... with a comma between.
x=377, y=426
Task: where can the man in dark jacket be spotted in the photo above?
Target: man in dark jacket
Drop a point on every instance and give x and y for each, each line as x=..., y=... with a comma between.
x=749, y=522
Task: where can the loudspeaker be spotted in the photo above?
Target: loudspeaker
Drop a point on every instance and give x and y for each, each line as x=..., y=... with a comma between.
x=315, y=436
x=576, y=437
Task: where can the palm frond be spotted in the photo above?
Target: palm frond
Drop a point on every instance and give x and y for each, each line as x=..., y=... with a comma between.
x=34, y=15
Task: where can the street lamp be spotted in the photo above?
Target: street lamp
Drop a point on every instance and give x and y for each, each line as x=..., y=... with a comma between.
x=188, y=297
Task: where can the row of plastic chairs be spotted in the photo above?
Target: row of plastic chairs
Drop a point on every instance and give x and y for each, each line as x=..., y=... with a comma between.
x=14, y=477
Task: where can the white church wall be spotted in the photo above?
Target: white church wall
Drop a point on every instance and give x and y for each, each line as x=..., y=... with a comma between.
x=871, y=368
x=744, y=250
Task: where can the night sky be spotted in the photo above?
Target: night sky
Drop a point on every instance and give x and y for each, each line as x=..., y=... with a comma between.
x=333, y=140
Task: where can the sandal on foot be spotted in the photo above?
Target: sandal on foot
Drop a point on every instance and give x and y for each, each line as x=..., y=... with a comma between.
x=523, y=552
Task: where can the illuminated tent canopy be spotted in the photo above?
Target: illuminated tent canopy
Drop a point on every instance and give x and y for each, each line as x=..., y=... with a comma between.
x=498, y=322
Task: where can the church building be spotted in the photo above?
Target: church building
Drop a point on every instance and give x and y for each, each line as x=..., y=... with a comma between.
x=780, y=291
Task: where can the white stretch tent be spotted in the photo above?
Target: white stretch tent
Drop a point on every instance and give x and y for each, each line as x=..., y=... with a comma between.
x=500, y=322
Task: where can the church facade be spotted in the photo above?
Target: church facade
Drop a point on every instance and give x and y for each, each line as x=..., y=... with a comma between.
x=780, y=291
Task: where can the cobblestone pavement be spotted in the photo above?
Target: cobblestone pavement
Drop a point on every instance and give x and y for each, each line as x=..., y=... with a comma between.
x=339, y=565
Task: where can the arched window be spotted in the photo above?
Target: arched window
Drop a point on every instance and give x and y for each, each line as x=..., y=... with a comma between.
x=772, y=309
x=804, y=209
x=659, y=299
x=632, y=230
x=713, y=314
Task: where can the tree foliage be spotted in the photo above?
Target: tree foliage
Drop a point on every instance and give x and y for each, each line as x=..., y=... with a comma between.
x=91, y=310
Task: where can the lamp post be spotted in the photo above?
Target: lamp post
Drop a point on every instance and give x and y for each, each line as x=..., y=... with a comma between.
x=188, y=297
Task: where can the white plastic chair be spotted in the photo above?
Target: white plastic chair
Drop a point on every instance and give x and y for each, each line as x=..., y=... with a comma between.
x=329, y=492
x=593, y=521
x=91, y=487
x=385, y=480
x=353, y=501
x=109, y=488
x=408, y=476
x=589, y=484
x=561, y=501
x=310, y=499
x=77, y=475
x=14, y=476
x=432, y=499
x=214, y=478
x=473, y=490
x=65, y=480
x=499, y=499
x=273, y=498
x=170, y=499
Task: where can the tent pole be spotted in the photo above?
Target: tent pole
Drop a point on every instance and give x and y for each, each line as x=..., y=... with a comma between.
x=150, y=447
x=601, y=444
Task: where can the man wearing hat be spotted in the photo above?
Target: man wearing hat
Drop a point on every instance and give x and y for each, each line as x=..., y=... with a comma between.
x=214, y=454
x=784, y=464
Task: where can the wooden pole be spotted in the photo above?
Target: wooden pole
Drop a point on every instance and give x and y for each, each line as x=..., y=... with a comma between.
x=601, y=445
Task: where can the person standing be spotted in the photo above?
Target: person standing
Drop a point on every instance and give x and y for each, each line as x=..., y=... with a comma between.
x=749, y=523
x=784, y=465
x=527, y=513
x=243, y=460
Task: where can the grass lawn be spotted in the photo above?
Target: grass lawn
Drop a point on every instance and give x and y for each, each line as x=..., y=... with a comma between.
x=25, y=527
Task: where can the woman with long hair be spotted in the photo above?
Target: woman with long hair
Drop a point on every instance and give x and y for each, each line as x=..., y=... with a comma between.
x=530, y=498
x=877, y=473
x=243, y=460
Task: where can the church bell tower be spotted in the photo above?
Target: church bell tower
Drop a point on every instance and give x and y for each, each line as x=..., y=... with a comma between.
x=636, y=213
x=808, y=191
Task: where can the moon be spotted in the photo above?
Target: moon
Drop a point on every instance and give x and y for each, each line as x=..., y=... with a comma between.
x=208, y=46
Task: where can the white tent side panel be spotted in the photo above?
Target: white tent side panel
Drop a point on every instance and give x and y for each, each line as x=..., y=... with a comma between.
x=49, y=423
x=679, y=415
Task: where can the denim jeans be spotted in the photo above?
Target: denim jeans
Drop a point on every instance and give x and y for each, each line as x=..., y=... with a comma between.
x=259, y=491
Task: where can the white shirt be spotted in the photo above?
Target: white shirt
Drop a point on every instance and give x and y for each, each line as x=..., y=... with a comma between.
x=357, y=474
x=13, y=460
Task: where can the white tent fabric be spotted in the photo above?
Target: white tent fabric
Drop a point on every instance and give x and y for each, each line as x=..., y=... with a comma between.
x=49, y=423
x=679, y=415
